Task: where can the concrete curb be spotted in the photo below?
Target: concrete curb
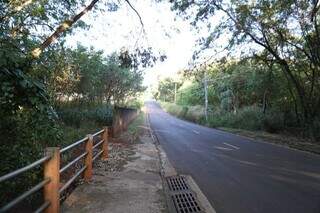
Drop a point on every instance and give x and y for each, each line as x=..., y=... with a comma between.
x=201, y=197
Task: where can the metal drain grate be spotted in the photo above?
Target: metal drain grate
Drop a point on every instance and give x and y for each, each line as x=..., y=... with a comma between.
x=177, y=183
x=182, y=198
x=185, y=203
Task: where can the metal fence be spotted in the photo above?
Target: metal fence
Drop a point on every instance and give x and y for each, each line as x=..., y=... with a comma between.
x=51, y=185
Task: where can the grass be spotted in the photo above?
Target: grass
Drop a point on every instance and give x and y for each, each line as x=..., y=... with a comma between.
x=136, y=124
x=191, y=113
x=76, y=120
x=71, y=134
x=133, y=131
x=76, y=115
x=72, y=130
x=280, y=139
x=248, y=122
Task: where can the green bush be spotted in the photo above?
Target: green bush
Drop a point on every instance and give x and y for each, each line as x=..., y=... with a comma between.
x=172, y=108
x=273, y=122
x=191, y=113
x=24, y=137
x=136, y=103
x=195, y=114
x=184, y=111
x=316, y=129
x=249, y=118
x=101, y=115
x=75, y=116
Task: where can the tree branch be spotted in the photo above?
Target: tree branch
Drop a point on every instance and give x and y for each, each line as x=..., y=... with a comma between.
x=140, y=19
x=35, y=53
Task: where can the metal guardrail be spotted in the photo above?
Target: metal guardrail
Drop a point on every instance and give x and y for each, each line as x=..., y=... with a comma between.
x=73, y=145
x=72, y=162
x=24, y=169
x=52, y=171
x=70, y=181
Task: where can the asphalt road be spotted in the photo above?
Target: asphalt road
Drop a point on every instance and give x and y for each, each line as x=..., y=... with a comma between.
x=236, y=174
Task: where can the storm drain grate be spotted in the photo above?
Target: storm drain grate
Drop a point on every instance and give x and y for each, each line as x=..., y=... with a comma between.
x=177, y=183
x=183, y=200
x=185, y=203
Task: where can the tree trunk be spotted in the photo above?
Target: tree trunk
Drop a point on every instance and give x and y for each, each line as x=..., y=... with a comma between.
x=265, y=101
x=62, y=28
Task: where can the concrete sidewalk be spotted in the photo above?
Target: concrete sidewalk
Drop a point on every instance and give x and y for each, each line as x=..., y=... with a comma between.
x=129, y=181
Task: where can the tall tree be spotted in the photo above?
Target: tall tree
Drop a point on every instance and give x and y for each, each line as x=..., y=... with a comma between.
x=287, y=32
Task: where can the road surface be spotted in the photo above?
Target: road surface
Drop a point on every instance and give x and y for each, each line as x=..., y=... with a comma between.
x=236, y=174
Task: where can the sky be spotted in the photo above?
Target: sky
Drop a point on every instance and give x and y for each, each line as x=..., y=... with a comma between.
x=165, y=32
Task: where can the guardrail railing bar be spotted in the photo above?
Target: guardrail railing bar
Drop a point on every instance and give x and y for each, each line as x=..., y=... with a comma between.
x=42, y=207
x=24, y=195
x=67, y=184
x=73, y=145
x=97, y=155
x=105, y=144
x=98, y=133
x=24, y=169
x=72, y=162
x=87, y=175
x=51, y=170
x=97, y=144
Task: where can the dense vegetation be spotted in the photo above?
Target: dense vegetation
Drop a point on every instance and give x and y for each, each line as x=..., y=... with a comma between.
x=274, y=85
x=52, y=94
x=241, y=94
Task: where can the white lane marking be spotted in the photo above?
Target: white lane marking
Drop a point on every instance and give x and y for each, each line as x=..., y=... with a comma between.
x=196, y=132
x=235, y=147
x=160, y=130
x=144, y=127
x=223, y=148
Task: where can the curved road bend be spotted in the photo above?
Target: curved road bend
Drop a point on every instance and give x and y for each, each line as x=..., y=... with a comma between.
x=238, y=175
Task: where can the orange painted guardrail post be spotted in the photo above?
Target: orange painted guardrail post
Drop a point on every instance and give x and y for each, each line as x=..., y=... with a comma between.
x=88, y=159
x=51, y=170
x=105, y=144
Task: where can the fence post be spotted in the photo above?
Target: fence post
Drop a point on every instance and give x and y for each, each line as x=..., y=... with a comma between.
x=51, y=170
x=88, y=159
x=105, y=144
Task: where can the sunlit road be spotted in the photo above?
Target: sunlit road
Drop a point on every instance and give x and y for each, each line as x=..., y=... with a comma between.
x=238, y=175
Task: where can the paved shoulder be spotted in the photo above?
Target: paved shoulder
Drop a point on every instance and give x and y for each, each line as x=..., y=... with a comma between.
x=134, y=185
